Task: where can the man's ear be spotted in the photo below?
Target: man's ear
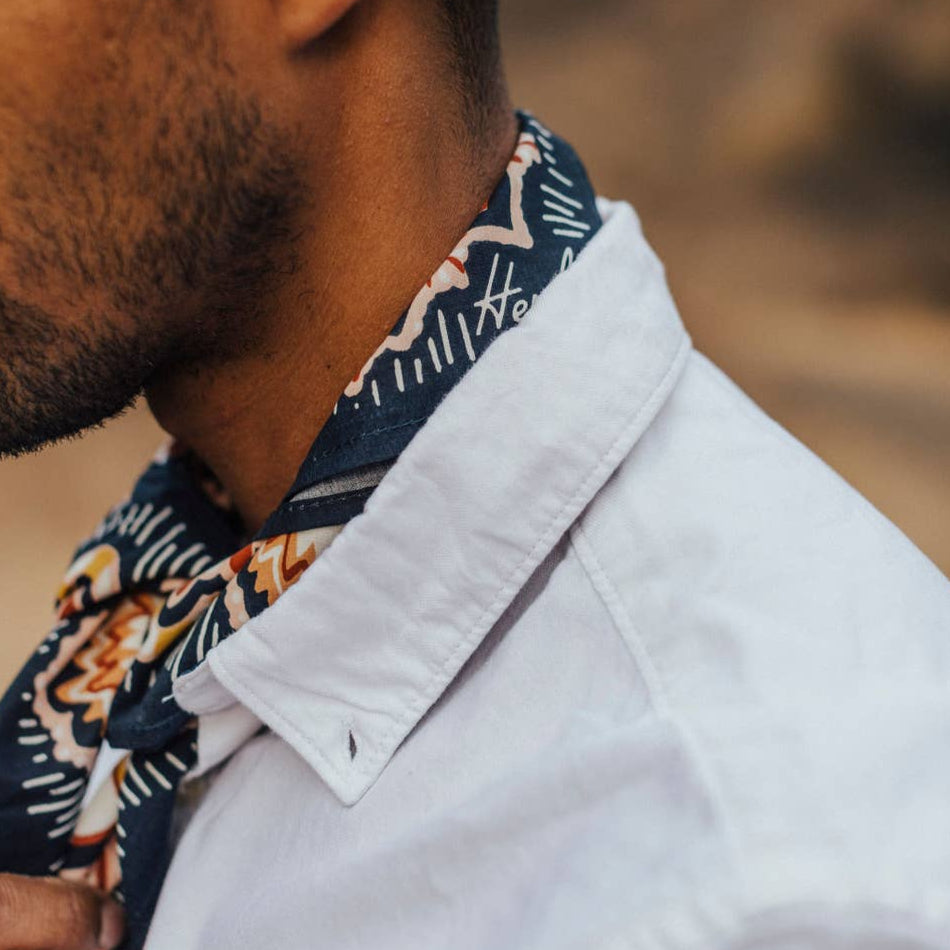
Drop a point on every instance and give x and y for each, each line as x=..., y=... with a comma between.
x=303, y=21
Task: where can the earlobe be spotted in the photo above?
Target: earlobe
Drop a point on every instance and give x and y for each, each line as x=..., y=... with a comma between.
x=303, y=21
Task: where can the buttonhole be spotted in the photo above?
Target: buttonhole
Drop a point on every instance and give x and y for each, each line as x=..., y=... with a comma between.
x=352, y=747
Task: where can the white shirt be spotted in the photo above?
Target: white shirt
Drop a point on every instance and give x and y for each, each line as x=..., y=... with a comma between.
x=610, y=660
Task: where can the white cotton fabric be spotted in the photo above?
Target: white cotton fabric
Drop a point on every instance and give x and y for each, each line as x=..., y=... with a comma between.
x=610, y=660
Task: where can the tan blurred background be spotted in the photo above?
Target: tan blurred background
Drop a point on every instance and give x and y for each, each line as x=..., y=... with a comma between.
x=791, y=163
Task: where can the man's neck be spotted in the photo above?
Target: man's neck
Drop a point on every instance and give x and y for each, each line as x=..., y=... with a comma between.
x=391, y=215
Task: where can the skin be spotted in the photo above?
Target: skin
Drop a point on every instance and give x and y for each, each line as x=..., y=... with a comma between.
x=49, y=914
x=226, y=205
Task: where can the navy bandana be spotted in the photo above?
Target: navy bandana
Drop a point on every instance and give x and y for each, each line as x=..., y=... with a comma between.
x=168, y=575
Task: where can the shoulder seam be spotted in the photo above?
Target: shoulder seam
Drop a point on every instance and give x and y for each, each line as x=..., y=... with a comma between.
x=609, y=597
x=657, y=694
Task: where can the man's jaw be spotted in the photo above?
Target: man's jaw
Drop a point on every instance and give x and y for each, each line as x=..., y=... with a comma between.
x=57, y=380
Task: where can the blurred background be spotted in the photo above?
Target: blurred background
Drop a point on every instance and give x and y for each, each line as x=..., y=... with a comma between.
x=791, y=164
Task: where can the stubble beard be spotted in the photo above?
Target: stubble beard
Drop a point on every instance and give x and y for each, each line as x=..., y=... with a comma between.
x=152, y=293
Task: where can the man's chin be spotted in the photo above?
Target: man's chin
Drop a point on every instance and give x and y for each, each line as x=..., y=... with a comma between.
x=59, y=378
x=45, y=403
x=43, y=425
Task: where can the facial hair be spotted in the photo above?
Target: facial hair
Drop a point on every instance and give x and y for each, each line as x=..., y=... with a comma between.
x=57, y=381
x=147, y=293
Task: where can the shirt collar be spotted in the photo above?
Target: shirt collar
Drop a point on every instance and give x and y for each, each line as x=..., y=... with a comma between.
x=348, y=661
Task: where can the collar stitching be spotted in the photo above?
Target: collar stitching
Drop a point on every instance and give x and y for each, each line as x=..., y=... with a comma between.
x=608, y=460
x=555, y=527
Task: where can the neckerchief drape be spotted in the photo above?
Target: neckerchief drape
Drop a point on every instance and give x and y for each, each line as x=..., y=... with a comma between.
x=167, y=575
